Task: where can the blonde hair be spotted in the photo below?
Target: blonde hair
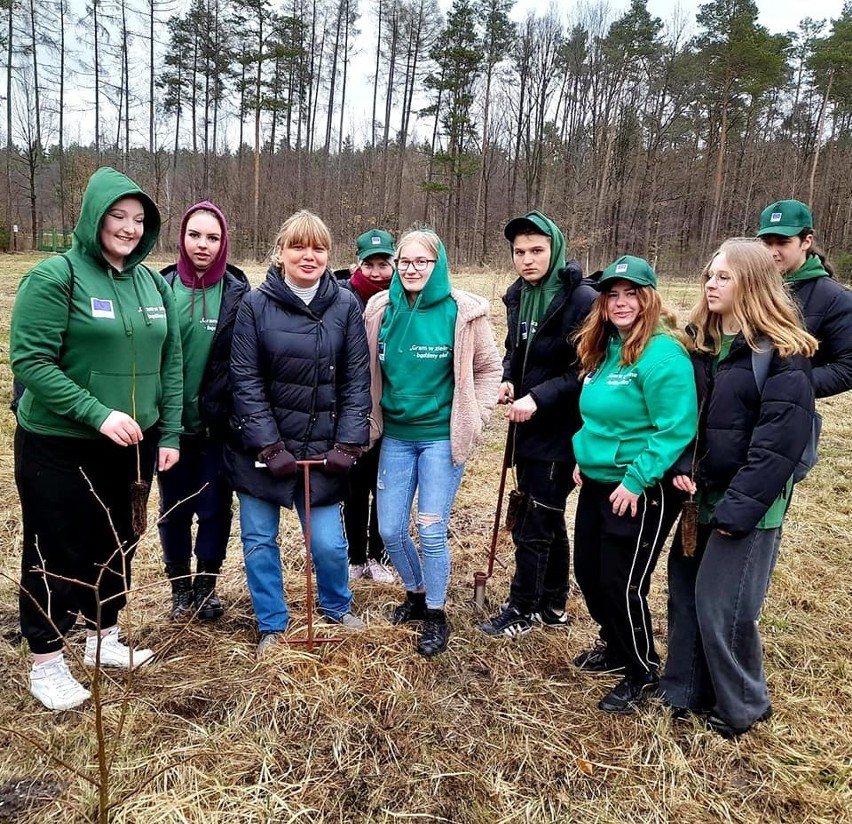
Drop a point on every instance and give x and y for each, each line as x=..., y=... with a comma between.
x=762, y=306
x=422, y=236
x=594, y=334
x=304, y=227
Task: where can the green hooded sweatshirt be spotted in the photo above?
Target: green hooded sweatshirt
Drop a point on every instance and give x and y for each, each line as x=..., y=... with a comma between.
x=811, y=269
x=637, y=419
x=99, y=340
x=536, y=297
x=416, y=358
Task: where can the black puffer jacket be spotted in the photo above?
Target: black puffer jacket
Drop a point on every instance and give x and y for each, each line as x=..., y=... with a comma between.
x=548, y=371
x=300, y=375
x=749, y=444
x=827, y=311
x=215, y=398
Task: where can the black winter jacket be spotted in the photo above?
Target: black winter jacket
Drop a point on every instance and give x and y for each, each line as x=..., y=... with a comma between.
x=827, y=311
x=215, y=398
x=300, y=375
x=549, y=370
x=749, y=444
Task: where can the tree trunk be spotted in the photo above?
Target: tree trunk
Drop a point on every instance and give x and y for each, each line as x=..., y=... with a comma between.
x=818, y=137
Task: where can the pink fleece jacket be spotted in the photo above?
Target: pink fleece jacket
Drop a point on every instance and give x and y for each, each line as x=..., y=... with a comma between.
x=477, y=370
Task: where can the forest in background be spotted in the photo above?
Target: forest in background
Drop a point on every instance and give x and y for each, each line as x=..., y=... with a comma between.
x=635, y=135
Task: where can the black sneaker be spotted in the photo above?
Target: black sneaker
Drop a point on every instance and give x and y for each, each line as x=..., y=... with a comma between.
x=631, y=692
x=413, y=608
x=436, y=633
x=719, y=725
x=551, y=618
x=508, y=622
x=597, y=660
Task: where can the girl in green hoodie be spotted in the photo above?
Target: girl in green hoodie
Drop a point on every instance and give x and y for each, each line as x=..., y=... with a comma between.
x=639, y=410
x=95, y=344
x=435, y=373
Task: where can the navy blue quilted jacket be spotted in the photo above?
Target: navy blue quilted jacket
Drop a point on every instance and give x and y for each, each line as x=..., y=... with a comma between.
x=300, y=374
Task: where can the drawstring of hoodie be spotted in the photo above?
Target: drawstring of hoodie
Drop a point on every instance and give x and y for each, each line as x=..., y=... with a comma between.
x=125, y=322
x=411, y=312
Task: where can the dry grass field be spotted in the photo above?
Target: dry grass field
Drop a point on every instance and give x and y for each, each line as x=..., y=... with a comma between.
x=491, y=731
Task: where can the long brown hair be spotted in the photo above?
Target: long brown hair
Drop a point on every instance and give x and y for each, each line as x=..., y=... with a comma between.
x=594, y=334
x=762, y=305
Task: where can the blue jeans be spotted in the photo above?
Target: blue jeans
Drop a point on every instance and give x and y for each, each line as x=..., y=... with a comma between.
x=259, y=527
x=405, y=466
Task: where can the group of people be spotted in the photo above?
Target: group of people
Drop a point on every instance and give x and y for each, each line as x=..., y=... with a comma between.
x=383, y=379
x=606, y=393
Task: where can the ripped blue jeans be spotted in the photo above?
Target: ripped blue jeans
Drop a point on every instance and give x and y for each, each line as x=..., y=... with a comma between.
x=425, y=467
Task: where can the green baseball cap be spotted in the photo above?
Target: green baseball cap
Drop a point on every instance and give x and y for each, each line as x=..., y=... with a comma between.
x=533, y=221
x=374, y=242
x=630, y=268
x=786, y=218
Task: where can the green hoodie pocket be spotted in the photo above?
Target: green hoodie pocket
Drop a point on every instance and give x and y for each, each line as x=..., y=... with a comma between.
x=592, y=451
x=115, y=391
x=422, y=410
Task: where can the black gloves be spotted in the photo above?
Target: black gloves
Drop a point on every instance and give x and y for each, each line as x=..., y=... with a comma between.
x=278, y=460
x=342, y=458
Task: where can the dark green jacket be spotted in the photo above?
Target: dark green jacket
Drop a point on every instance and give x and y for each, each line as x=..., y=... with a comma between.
x=87, y=339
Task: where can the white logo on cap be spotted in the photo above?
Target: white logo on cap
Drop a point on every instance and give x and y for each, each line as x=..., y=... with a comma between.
x=375, y=240
x=621, y=267
x=776, y=217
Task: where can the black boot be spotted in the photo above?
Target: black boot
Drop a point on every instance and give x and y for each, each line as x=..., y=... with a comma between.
x=183, y=596
x=412, y=609
x=436, y=632
x=206, y=600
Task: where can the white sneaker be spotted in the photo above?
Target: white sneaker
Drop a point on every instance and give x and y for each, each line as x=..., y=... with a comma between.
x=379, y=572
x=53, y=685
x=348, y=620
x=357, y=571
x=114, y=653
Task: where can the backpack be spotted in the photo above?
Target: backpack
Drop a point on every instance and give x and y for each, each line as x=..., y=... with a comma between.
x=760, y=361
x=17, y=386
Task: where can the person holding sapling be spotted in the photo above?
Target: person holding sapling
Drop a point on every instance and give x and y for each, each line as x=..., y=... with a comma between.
x=208, y=291
x=96, y=345
x=751, y=359
x=541, y=387
x=639, y=412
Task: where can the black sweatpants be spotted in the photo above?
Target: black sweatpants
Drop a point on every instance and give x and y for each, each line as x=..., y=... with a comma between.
x=614, y=558
x=542, y=553
x=360, y=518
x=80, y=533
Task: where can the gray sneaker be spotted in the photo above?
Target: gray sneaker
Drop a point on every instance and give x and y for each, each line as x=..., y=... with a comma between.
x=348, y=620
x=267, y=641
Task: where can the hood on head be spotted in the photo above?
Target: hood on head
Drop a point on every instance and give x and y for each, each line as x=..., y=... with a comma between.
x=535, y=221
x=104, y=188
x=217, y=268
x=438, y=286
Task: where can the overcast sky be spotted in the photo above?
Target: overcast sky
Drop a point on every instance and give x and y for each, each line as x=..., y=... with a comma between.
x=776, y=15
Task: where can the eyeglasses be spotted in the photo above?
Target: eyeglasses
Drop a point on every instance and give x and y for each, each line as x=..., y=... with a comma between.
x=420, y=265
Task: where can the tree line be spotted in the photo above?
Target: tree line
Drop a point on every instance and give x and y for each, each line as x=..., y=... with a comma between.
x=634, y=134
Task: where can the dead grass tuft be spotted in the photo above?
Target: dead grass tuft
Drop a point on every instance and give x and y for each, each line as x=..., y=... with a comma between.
x=492, y=732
